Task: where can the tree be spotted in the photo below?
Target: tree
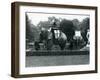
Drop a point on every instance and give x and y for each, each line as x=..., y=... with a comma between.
x=76, y=24
x=43, y=24
x=29, y=37
x=31, y=30
x=85, y=24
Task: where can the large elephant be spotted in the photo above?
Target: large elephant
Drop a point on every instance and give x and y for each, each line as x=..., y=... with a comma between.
x=52, y=37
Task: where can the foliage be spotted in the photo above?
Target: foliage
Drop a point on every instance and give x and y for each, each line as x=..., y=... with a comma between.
x=76, y=24
x=85, y=24
x=32, y=32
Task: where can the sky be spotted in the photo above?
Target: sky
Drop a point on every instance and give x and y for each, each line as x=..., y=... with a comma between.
x=35, y=18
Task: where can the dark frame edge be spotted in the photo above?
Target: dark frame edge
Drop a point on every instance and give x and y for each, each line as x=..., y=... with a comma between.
x=96, y=39
x=14, y=40
x=55, y=74
x=55, y=5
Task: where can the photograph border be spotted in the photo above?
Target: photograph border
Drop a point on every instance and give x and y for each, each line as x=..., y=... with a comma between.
x=15, y=32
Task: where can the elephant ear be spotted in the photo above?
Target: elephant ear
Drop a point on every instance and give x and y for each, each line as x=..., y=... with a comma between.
x=50, y=35
x=63, y=36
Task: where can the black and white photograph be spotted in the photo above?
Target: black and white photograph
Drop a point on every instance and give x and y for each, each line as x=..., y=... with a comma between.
x=54, y=39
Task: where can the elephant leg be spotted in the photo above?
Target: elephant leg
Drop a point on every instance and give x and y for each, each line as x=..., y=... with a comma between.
x=62, y=45
x=49, y=44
